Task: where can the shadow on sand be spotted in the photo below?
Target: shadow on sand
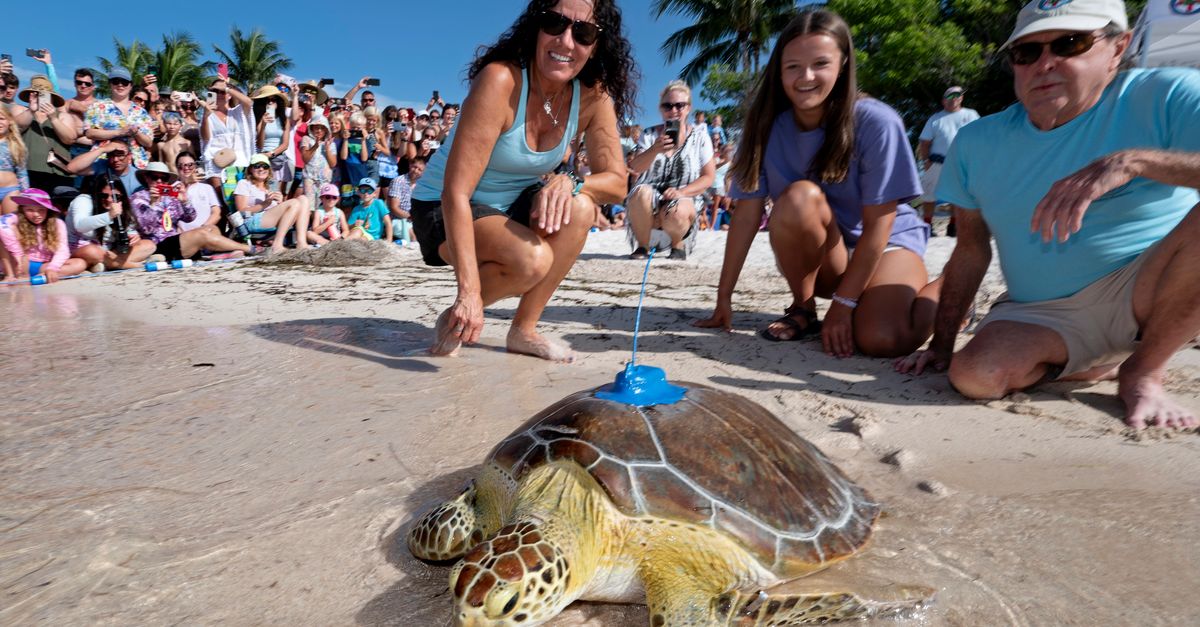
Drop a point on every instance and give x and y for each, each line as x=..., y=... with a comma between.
x=393, y=343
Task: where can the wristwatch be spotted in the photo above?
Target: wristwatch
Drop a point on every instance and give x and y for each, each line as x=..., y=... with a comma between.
x=578, y=180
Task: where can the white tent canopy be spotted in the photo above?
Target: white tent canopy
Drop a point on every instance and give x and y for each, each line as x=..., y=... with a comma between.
x=1167, y=34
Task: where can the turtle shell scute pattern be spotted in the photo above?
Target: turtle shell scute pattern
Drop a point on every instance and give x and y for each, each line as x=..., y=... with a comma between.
x=713, y=459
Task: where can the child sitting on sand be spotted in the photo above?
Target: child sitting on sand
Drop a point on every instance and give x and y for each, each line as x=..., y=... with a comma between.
x=369, y=218
x=328, y=220
x=35, y=240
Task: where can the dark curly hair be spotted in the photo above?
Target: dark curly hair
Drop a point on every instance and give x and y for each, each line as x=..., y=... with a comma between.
x=611, y=64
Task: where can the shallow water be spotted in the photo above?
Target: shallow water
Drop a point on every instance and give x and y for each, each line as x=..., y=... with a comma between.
x=165, y=474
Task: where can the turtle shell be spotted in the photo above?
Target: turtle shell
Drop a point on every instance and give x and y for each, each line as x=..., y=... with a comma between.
x=714, y=459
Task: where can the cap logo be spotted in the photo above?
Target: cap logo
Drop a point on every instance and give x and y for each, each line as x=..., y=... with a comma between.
x=1050, y=5
x=1185, y=7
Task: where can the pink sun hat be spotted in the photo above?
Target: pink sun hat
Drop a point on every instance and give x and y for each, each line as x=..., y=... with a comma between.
x=34, y=197
x=329, y=189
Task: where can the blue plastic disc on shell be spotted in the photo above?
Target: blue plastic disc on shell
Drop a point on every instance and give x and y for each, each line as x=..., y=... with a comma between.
x=642, y=386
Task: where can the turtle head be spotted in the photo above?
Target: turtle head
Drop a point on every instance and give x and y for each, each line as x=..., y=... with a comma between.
x=448, y=531
x=516, y=578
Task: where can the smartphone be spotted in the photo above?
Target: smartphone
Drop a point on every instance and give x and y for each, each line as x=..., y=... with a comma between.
x=436, y=95
x=34, y=53
x=671, y=129
x=211, y=97
x=401, y=128
x=153, y=69
x=325, y=81
x=6, y=57
x=223, y=71
x=356, y=134
x=271, y=107
x=373, y=82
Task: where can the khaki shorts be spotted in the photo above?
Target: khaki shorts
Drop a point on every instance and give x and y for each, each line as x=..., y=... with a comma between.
x=1096, y=323
x=929, y=181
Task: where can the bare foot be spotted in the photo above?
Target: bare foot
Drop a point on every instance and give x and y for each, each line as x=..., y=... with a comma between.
x=1146, y=403
x=444, y=343
x=533, y=343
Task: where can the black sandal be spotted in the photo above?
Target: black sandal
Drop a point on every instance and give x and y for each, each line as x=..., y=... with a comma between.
x=639, y=253
x=812, y=325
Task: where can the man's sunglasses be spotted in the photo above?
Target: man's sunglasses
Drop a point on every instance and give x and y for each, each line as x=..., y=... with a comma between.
x=84, y=84
x=554, y=23
x=1066, y=46
x=673, y=106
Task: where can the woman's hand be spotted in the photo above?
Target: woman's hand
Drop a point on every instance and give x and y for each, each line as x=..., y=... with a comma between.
x=275, y=197
x=154, y=195
x=552, y=204
x=721, y=318
x=672, y=193
x=664, y=143
x=837, y=331
x=465, y=319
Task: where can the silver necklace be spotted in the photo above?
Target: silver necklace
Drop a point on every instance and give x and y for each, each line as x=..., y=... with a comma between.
x=547, y=106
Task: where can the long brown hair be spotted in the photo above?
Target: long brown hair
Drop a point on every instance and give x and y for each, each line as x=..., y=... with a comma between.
x=27, y=232
x=832, y=161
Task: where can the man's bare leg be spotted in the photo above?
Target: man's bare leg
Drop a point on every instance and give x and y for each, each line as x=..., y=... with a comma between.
x=1166, y=304
x=1004, y=357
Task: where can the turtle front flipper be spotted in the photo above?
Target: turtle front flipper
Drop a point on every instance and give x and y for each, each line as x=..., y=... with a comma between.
x=800, y=603
x=447, y=532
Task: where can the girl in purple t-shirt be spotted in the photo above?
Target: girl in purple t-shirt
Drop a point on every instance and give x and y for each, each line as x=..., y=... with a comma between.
x=839, y=170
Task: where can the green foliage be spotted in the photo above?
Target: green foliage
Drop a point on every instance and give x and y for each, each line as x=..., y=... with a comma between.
x=253, y=60
x=728, y=89
x=730, y=32
x=179, y=68
x=135, y=58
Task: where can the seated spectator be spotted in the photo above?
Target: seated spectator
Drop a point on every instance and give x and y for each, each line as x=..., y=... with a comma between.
x=101, y=228
x=108, y=158
x=369, y=218
x=318, y=156
x=266, y=211
x=161, y=206
x=172, y=143
x=35, y=240
x=120, y=117
x=672, y=179
x=13, y=157
x=400, y=200
x=329, y=221
x=201, y=195
x=226, y=127
x=49, y=137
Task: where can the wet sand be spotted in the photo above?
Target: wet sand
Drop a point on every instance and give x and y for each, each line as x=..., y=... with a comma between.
x=247, y=443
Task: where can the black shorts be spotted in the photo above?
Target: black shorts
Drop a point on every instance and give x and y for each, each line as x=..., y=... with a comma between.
x=169, y=248
x=429, y=225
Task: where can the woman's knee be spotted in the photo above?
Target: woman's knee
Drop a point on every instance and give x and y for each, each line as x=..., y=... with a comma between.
x=801, y=204
x=641, y=198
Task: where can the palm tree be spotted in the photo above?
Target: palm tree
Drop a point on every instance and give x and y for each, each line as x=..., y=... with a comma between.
x=255, y=60
x=135, y=58
x=178, y=66
x=732, y=32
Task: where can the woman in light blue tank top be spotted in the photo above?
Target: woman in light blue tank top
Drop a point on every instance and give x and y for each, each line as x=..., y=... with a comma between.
x=495, y=201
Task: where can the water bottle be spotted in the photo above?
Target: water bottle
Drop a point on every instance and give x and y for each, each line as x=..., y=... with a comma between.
x=179, y=264
x=38, y=280
x=155, y=266
x=239, y=225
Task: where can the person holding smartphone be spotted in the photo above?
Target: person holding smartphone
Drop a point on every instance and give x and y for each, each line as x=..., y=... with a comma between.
x=226, y=125
x=482, y=205
x=49, y=136
x=673, y=175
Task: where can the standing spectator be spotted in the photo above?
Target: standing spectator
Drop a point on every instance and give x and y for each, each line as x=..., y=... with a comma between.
x=49, y=137
x=400, y=200
x=162, y=207
x=85, y=95
x=700, y=121
x=35, y=239
x=369, y=218
x=352, y=154
x=376, y=144
x=200, y=194
x=173, y=143
x=717, y=126
x=95, y=222
x=9, y=84
x=629, y=141
x=266, y=210
x=225, y=127
x=449, y=116
x=274, y=129
x=935, y=140
x=368, y=97
x=318, y=156
x=672, y=179
x=120, y=117
x=389, y=167
x=13, y=157
x=108, y=158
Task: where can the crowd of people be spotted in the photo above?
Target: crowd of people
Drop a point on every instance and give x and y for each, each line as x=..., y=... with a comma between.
x=1087, y=184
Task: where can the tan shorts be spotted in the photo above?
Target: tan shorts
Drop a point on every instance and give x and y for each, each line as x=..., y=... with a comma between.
x=929, y=181
x=1096, y=323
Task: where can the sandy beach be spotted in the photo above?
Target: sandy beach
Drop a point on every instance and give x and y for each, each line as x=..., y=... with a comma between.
x=247, y=443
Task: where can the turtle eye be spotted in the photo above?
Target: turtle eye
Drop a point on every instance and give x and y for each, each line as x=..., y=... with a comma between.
x=501, y=601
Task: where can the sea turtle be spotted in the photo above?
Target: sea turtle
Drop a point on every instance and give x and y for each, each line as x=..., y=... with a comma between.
x=699, y=507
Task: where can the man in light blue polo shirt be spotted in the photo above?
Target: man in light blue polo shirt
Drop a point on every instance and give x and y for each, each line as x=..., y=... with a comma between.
x=1088, y=184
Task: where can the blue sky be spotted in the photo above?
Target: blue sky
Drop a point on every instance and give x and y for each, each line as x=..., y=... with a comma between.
x=413, y=48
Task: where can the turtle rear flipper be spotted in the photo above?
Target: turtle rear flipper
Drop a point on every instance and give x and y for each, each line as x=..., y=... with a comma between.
x=829, y=595
x=448, y=531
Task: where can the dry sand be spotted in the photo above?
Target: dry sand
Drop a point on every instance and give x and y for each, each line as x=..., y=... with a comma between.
x=245, y=443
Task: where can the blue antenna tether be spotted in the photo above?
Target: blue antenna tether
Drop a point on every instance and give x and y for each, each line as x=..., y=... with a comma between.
x=641, y=386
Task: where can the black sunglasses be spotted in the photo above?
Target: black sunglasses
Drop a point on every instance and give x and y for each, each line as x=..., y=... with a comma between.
x=554, y=23
x=673, y=106
x=1066, y=46
x=259, y=165
x=83, y=84
x=119, y=82
x=119, y=153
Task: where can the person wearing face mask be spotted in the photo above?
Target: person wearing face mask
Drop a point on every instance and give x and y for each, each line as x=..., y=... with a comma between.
x=1088, y=185
x=120, y=117
x=839, y=169
x=483, y=205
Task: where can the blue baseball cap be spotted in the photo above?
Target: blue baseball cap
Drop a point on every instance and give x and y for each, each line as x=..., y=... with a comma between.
x=120, y=72
x=368, y=182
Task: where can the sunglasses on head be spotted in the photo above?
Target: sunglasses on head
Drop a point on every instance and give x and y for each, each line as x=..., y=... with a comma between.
x=554, y=23
x=673, y=106
x=1065, y=47
x=84, y=84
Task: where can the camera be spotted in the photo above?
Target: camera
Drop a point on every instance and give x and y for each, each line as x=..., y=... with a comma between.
x=166, y=189
x=671, y=129
x=120, y=244
x=305, y=98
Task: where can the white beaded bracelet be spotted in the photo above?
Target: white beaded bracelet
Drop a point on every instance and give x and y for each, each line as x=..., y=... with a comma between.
x=849, y=302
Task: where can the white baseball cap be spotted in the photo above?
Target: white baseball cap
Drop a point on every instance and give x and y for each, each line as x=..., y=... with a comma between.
x=1077, y=15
